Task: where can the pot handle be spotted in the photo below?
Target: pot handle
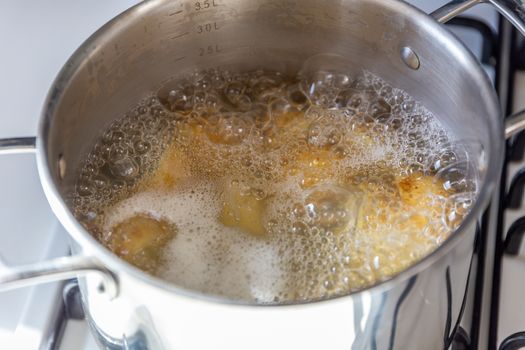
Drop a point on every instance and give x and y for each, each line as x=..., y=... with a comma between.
x=12, y=277
x=514, y=124
x=514, y=12
x=56, y=270
x=17, y=145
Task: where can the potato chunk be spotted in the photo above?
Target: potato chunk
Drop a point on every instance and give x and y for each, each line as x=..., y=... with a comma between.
x=171, y=170
x=416, y=188
x=140, y=241
x=243, y=210
x=314, y=167
x=404, y=225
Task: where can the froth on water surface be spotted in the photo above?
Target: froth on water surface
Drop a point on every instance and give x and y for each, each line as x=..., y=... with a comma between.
x=270, y=187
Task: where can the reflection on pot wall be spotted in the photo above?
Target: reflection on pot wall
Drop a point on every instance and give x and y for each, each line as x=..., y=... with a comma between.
x=150, y=318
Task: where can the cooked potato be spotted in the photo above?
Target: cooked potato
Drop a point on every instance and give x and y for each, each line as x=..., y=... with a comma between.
x=171, y=170
x=140, y=240
x=415, y=188
x=285, y=120
x=243, y=211
x=417, y=195
x=419, y=192
x=404, y=228
x=314, y=167
x=175, y=162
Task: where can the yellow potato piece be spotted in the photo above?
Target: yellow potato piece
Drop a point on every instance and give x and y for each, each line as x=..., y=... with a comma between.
x=243, y=211
x=171, y=170
x=415, y=188
x=140, y=240
x=285, y=120
x=403, y=228
x=418, y=192
x=283, y=129
x=174, y=165
x=314, y=166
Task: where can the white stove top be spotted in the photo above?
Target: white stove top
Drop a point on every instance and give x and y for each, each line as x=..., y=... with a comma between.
x=37, y=38
x=26, y=314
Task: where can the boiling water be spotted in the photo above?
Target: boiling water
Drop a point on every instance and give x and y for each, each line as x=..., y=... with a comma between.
x=275, y=188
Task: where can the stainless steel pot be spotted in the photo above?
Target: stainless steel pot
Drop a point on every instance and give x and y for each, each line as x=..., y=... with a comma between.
x=132, y=53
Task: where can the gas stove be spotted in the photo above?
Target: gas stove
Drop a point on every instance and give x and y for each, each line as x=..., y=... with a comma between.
x=38, y=37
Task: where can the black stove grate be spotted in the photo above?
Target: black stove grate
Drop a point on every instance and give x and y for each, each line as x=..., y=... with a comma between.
x=514, y=238
x=508, y=243
x=515, y=341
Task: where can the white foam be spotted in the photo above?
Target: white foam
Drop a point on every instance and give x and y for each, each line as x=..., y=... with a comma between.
x=205, y=255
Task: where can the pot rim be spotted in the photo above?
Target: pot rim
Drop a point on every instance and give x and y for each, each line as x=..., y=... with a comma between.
x=118, y=266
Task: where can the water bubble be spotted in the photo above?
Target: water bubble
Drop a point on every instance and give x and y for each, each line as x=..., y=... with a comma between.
x=258, y=193
x=230, y=130
x=178, y=99
x=360, y=83
x=125, y=168
x=341, y=152
x=343, y=98
x=299, y=228
x=99, y=182
x=333, y=208
x=322, y=135
x=296, y=96
x=141, y=146
x=456, y=207
x=151, y=101
x=118, y=151
x=314, y=113
x=340, y=81
x=328, y=284
x=84, y=189
x=386, y=92
x=246, y=161
x=89, y=170
x=379, y=109
x=398, y=98
x=458, y=177
x=234, y=90
x=117, y=136
x=281, y=106
x=298, y=210
x=355, y=101
x=118, y=185
x=443, y=159
x=408, y=106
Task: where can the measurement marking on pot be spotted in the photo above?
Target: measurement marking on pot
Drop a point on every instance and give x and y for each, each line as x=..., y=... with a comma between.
x=179, y=59
x=205, y=4
x=179, y=35
x=175, y=13
x=250, y=49
x=208, y=27
x=209, y=50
